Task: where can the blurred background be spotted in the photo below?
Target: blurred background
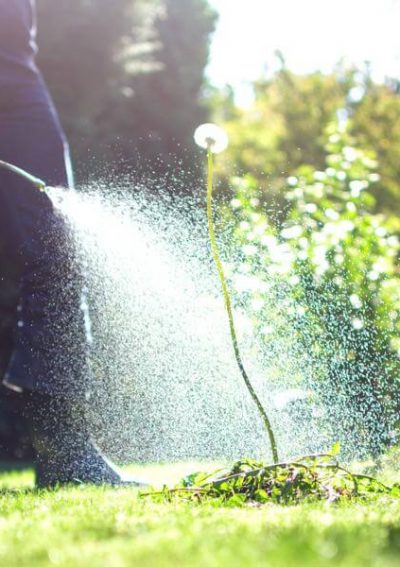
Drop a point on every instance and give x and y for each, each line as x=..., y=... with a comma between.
x=296, y=84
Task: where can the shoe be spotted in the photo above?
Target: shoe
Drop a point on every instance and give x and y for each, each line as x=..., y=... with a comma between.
x=64, y=449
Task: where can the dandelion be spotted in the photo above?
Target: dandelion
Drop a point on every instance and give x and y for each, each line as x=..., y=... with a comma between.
x=212, y=137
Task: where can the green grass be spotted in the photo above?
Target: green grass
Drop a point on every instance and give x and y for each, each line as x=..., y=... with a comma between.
x=113, y=527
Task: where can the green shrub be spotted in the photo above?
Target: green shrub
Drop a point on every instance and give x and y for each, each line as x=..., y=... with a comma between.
x=328, y=266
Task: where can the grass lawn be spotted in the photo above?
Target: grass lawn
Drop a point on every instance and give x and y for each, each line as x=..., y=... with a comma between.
x=113, y=527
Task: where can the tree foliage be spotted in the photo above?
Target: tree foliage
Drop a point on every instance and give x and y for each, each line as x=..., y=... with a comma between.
x=127, y=77
x=284, y=127
x=376, y=124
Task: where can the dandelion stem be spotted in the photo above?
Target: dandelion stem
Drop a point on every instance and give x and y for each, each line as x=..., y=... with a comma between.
x=38, y=183
x=228, y=306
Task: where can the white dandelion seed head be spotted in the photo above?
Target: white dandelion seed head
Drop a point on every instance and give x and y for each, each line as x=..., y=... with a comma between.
x=211, y=136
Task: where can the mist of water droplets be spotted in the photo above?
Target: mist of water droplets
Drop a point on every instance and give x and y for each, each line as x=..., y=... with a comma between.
x=165, y=383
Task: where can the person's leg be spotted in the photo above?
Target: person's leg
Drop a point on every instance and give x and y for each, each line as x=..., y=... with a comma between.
x=38, y=241
x=65, y=450
x=49, y=362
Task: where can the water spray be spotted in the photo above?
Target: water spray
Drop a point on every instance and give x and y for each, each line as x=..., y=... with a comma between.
x=38, y=183
x=213, y=139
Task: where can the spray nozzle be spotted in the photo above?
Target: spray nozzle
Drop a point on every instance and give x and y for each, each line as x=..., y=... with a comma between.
x=38, y=183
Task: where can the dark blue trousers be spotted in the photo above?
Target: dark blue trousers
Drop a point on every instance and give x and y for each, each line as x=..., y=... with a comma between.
x=50, y=353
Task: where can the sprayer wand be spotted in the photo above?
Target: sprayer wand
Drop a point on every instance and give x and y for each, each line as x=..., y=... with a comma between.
x=38, y=183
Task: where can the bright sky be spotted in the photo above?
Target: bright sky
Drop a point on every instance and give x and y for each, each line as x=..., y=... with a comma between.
x=312, y=34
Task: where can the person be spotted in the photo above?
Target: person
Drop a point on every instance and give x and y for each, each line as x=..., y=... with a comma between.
x=49, y=364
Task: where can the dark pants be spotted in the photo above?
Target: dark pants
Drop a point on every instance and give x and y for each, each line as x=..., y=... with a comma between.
x=50, y=339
